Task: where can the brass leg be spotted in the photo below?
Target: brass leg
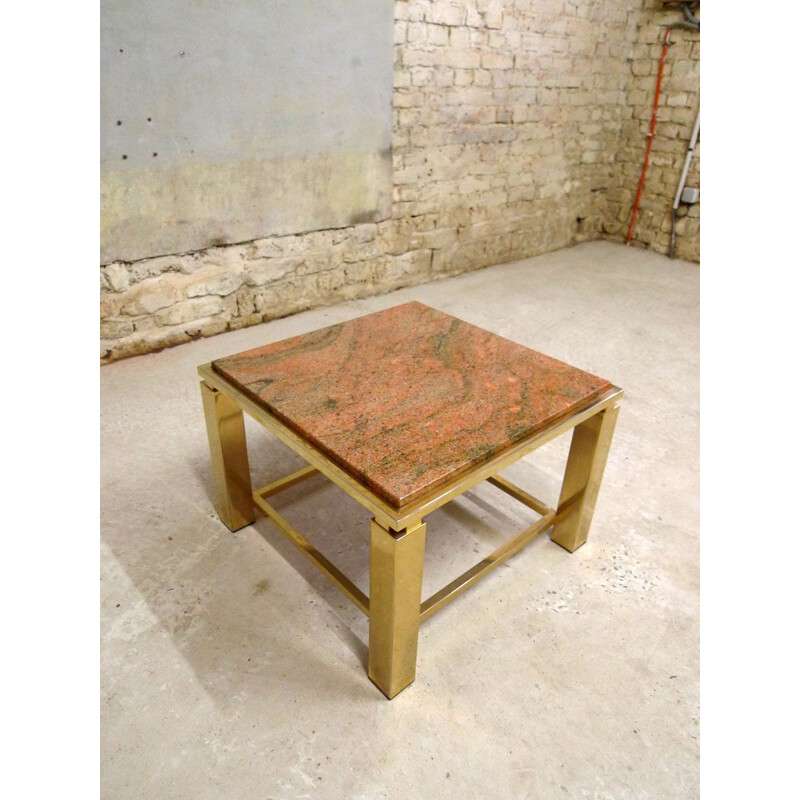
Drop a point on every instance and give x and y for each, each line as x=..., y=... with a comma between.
x=395, y=592
x=591, y=441
x=226, y=439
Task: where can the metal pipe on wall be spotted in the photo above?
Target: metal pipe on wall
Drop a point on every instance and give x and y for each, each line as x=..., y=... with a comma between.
x=690, y=18
x=690, y=21
x=682, y=182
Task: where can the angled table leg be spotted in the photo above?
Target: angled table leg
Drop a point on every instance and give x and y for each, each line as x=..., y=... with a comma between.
x=226, y=440
x=588, y=452
x=395, y=592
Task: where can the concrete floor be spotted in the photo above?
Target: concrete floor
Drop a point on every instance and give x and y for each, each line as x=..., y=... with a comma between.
x=232, y=669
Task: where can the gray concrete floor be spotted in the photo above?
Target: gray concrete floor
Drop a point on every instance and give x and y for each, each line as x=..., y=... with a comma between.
x=232, y=669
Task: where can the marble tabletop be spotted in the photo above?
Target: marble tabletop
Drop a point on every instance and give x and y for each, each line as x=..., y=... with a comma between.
x=409, y=398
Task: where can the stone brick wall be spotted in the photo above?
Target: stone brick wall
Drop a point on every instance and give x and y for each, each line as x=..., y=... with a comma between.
x=679, y=102
x=517, y=130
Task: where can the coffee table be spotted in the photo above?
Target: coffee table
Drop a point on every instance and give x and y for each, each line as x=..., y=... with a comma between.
x=405, y=409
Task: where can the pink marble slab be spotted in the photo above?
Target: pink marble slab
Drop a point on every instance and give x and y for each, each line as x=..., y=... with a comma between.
x=409, y=398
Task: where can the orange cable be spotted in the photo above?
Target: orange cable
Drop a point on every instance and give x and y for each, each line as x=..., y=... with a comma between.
x=651, y=135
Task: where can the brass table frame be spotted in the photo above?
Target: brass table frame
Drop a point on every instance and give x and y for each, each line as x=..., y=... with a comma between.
x=397, y=535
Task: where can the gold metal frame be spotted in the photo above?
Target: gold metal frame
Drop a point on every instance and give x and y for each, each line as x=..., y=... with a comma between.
x=397, y=540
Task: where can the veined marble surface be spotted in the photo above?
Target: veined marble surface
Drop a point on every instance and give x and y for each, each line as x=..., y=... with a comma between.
x=408, y=398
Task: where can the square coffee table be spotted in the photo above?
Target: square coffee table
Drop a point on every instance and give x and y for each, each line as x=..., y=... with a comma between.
x=405, y=410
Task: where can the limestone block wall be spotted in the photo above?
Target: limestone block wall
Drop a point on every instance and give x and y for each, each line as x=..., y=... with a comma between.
x=516, y=131
x=678, y=105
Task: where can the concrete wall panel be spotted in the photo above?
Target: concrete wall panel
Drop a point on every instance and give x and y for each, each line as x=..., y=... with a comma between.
x=229, y=121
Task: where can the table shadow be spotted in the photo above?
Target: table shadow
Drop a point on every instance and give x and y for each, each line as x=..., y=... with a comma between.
x=215, y=592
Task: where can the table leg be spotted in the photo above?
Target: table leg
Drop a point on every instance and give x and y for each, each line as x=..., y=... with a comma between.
x=395, y=593
x=591, y=441
x=226, y=440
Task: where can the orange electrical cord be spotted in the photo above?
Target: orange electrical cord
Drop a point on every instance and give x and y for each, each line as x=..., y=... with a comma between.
x=650, y=136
